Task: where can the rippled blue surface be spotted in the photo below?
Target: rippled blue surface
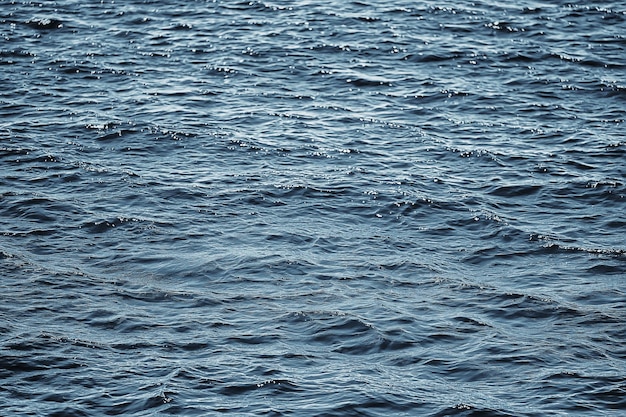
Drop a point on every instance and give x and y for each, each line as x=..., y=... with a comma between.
x=312, y=208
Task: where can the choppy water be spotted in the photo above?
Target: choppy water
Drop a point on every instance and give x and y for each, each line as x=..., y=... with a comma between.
x=312, y=208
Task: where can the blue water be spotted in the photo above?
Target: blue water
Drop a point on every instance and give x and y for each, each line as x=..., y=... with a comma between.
x=312, y=208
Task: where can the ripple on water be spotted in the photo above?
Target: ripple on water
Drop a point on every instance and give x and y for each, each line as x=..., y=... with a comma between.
x=293, y=209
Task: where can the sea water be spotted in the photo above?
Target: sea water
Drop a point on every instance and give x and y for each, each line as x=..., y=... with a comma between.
x=312, y=208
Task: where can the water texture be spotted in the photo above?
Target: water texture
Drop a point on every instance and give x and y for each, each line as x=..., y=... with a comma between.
x=312, y=208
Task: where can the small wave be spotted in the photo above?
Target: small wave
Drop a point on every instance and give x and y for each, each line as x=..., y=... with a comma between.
x=45, y=23
x=504, y=27
x=368, y=82
x=557, y=247
x=467, y=410
x=14, y=152
x=102, y=226
x=347, y=335
x=276, y=386
x=39, y=209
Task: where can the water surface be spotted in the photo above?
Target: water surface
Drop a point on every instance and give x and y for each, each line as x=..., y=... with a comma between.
x=312, y=208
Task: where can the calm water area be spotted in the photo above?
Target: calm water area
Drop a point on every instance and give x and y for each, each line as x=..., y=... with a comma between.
x=312, y=208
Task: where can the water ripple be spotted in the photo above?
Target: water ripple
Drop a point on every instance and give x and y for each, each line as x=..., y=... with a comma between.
x=312, y=208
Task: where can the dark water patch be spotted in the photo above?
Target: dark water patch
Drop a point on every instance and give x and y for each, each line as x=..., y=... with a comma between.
x=511, y=191
x=39, y=209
